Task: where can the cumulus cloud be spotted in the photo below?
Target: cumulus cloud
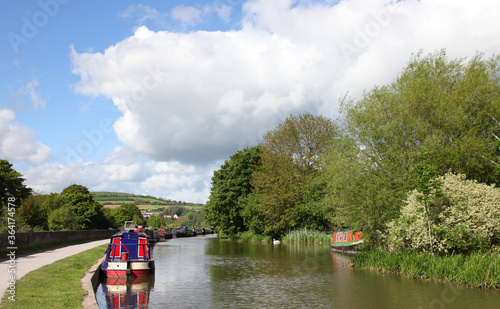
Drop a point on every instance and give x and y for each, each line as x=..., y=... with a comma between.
x=17, y=141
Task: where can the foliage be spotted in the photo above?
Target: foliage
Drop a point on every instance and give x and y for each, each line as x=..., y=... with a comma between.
x=11, y=184
x=466, y=218
x=446, y=107
x=156, y=222
x=307, y=236
x=35, y=210
x=292, y=155
x=87, y=210
x=63, y=219
x=251, y=237
x=231, y=184
x=127, y=212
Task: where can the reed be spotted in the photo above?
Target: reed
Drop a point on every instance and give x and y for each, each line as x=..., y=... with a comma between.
x=479, y=270
x=307, y=236
x=251, y=237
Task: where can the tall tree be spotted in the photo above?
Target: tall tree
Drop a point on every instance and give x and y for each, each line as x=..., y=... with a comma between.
x=292, y=155
x=231, y=185
x=87, y=210
x=447, y=107
x=11, y=184
x=127, y=212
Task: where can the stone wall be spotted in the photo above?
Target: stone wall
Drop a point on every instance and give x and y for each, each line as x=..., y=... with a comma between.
x=28, y=239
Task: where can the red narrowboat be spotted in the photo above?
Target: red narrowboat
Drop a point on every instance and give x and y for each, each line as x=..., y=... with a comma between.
x=346, y=241
x=128, y=254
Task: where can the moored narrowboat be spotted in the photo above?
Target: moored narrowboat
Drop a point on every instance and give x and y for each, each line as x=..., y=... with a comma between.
x=128, y=253
x=346, y=241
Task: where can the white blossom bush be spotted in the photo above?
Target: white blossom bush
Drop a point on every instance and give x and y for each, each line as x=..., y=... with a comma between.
x=465, y=219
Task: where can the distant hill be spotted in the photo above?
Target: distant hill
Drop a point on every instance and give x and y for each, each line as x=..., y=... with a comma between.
x=117, y=198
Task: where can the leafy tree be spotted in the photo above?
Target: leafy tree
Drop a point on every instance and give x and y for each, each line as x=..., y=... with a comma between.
x=175, y=210
x=230, y=185
x=11, y=184
x=63, y=219
x=87, y=210
x=446, y=107
x=292, y=156
x=156, y=222
x=127, y=212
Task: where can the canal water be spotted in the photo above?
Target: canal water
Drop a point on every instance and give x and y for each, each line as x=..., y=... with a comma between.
x=205, y=272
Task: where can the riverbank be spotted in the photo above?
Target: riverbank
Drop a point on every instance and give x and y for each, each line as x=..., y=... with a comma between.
x=57, y=285
x=478, y=270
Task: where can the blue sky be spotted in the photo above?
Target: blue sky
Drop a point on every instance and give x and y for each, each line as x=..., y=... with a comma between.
x=151, y=97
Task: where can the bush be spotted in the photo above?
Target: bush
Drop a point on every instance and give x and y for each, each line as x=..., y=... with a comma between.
x=465, y=219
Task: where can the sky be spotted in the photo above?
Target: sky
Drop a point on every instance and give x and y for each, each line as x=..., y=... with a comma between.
x=151, y=97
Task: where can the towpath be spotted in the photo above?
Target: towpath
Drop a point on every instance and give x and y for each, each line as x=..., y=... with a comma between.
x=26, y=263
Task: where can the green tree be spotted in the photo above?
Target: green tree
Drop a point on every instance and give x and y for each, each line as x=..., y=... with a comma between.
x=230, y=185
x=63, y=219
x=11, y=184
x=127, y=212
x=292, y=156
x=446, y=107
x=87, y=210
x=156, y=222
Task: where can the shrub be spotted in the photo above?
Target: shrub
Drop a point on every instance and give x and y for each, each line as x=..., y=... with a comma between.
x=465, y=219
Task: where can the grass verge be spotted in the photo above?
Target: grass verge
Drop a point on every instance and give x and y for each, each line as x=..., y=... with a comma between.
x=478, y=270
x=56, y=285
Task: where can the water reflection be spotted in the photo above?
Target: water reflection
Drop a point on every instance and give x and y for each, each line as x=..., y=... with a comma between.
x=125, y=292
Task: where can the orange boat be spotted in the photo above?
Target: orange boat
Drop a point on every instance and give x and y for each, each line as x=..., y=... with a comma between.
x=346, y=241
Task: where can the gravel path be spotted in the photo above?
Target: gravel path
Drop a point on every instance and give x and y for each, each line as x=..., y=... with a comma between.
x=25, y=264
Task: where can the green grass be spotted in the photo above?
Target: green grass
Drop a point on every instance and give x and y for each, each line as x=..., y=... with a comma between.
x=56, y=285
x=307, y=236
x=478, y=270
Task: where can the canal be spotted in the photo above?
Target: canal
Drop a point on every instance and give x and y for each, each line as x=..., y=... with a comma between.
x=205, y=272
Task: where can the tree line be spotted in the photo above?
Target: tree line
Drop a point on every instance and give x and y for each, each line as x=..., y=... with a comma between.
x=359, y=170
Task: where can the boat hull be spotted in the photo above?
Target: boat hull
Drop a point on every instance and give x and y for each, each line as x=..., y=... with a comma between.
x=128, y=269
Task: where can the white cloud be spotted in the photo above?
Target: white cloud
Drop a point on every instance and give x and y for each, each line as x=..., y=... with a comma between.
x=17, y=141
x=141, y=12
x=222, y=11
x=36, y=100
x=187, y=15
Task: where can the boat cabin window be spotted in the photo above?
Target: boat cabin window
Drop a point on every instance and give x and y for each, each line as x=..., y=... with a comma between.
x=345, y=236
